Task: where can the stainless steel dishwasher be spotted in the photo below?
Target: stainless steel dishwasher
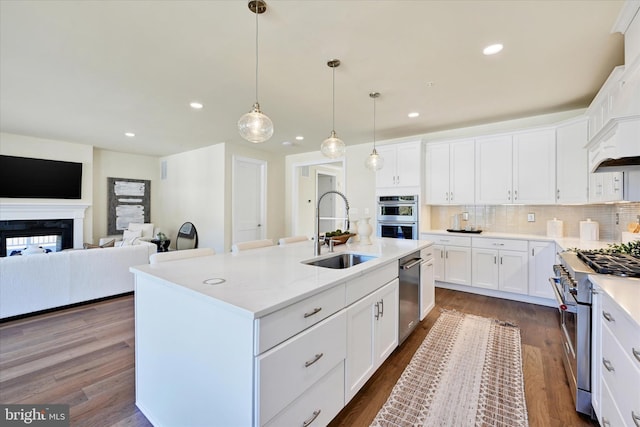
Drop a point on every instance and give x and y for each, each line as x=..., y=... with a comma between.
x=409, y=275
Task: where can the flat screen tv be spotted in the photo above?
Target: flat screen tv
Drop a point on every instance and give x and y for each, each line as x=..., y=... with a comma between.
x=23, y=177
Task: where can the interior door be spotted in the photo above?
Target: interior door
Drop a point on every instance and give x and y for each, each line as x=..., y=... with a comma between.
x=326, y=182
x=248, y=207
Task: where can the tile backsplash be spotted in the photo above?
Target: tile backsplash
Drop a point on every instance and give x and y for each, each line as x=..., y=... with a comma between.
x=612, y=218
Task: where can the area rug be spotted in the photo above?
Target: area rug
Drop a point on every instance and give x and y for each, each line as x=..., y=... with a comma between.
x=467, y=372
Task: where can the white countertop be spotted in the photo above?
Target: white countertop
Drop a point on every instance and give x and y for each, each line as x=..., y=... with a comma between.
x=624, y=291
x=563, y=242
x=260, y=281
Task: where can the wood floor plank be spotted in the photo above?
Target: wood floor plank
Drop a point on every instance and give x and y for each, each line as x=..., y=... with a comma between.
x=92, y=369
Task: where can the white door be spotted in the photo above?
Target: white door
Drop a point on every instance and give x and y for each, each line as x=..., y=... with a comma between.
x=327, y=208
x=248, y=206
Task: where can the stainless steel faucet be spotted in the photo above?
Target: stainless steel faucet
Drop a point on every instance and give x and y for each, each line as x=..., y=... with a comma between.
x=317, y=245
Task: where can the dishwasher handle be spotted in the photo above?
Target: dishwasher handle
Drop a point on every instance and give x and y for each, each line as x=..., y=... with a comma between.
x=410, y=264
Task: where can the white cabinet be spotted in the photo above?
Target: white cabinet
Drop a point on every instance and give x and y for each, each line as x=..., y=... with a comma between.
x=402, y=167
x=518, y=168
x=427, y=284
x=500, y=264
x=452, y=258
x=372, y=334
x=542, y=256
x=572, y=176
x=450, y=172
x=605, y=187
x=616, y=351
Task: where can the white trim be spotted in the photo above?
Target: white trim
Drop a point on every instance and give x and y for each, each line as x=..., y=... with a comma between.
x=10, y=211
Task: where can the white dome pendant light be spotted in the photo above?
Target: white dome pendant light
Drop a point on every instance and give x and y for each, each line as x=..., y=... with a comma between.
x=255, y=126
x=374, y=162
x=333, y=147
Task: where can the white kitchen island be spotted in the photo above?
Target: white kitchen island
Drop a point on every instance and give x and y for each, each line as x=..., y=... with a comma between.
x=259, y=338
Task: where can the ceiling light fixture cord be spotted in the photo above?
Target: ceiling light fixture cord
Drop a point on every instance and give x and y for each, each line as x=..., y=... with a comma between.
x=374, y=123
x=257, y=56
x=333, y=102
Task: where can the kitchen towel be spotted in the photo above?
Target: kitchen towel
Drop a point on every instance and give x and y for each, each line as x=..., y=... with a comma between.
x=555, y=228
x=589, y=230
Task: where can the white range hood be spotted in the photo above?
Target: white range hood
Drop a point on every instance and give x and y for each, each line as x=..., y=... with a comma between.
x=617, y=146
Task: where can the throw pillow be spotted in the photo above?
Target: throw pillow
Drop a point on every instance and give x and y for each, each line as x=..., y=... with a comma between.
x=146, y=229
x=111, y=243
x=129, y=237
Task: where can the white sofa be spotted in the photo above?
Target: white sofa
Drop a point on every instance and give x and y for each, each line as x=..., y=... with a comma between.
x=43, y=281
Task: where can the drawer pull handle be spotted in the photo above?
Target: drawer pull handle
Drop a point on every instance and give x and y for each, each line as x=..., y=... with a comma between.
x=311, y=313
x=315, y=359
x=607, y=364
x=605, y=422
x=636, y=353
x=377, y=315
x=636, y=418
x=381, y=308
x=311, y=419
x=608, y=316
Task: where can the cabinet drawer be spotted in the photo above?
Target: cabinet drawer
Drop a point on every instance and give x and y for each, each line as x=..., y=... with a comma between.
x=501, y=244
x=625, y=331
x=439, y=239
x=621, y=377
x=318, y=405
x=286, y=371
x=369, y=282
x=610, y=415
x=279, y=326
x=427, y=253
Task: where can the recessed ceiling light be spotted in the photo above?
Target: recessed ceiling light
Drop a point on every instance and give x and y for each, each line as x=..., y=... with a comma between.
x=413, y=115
x=492, y=49
x=299, y=138
x=129, y=134
x=196, y=105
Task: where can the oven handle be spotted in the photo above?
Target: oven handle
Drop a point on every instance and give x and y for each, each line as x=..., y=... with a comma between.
x=562, y=306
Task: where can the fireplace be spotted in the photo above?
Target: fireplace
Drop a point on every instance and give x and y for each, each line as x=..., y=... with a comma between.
x=55, y=226
x=52, y=234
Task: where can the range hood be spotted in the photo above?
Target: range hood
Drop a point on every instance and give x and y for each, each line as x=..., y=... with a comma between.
x=616, y=147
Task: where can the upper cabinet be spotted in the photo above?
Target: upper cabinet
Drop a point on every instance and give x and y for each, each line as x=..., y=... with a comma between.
x=572, y=179
x=450, y=172
x=516, y=168
x=401, y=172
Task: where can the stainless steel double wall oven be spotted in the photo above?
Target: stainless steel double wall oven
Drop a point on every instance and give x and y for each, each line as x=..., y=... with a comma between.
x=397, y=217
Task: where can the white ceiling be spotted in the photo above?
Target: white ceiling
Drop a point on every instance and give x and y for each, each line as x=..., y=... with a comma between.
x=88, y=71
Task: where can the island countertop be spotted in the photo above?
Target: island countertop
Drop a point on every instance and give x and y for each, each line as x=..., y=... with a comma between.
x=259, y=281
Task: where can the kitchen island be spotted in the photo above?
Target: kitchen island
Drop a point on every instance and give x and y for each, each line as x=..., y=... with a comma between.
x=259, y=337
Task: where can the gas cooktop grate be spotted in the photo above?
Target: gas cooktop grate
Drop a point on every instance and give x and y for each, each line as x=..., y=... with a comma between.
x=617, y=264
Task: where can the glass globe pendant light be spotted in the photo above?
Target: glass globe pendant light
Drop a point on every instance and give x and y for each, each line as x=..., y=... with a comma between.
x=255, y=126
x=333, y=147
x=374, y=162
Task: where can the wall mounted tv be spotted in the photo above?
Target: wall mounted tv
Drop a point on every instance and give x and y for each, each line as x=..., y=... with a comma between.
x=25, y=177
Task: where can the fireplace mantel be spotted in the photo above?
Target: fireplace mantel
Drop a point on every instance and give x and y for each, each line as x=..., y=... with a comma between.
x=10, y=211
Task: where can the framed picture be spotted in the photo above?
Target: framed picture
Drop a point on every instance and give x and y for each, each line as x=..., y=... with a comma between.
x=129, y=200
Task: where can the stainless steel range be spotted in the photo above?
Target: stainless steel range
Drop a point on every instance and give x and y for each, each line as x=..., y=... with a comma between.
x=574, y=295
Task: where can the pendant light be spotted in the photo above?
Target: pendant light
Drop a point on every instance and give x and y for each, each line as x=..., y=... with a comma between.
x=255, y=126
x=333, y=147
x=374, y=162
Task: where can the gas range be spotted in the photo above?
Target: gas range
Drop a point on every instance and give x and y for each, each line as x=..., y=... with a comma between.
x=618, y=264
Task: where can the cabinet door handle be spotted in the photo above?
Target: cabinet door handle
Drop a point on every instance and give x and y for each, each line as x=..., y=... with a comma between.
x=446, y=196
x=398, y=179
x=315, y=359
x=608, y=316
x=607, y=364
x=500, y=260
x=446, y=255
x=312, y=312
x=558, y=194
x=533, y=252
x=636, y=418
x=515, y=195
x=451, y=196
x=508, y=194
x=381, y=308
x=377, y=315
x=495, y=259
x=636, y=353
x=311, y=419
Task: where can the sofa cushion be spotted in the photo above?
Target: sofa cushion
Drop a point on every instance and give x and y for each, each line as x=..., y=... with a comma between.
x=130, y=236
x=146, y=229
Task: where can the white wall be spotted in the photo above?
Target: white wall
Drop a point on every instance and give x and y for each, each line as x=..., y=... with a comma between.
x=113, y=164
x=26, y=146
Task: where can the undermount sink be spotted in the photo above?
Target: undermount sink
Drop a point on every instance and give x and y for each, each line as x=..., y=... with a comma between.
x=340, y=261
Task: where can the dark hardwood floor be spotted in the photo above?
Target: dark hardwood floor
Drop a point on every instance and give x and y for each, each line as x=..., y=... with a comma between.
x=84, y=357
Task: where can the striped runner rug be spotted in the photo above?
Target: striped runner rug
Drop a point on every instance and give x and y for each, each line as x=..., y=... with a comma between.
x=467, y=372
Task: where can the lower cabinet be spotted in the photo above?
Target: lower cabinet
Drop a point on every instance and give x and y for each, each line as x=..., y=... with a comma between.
x=542, y=256
x=500, y=264
x=616, y=363
x=427, y=283
x=372, y=334
x=451, y=258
